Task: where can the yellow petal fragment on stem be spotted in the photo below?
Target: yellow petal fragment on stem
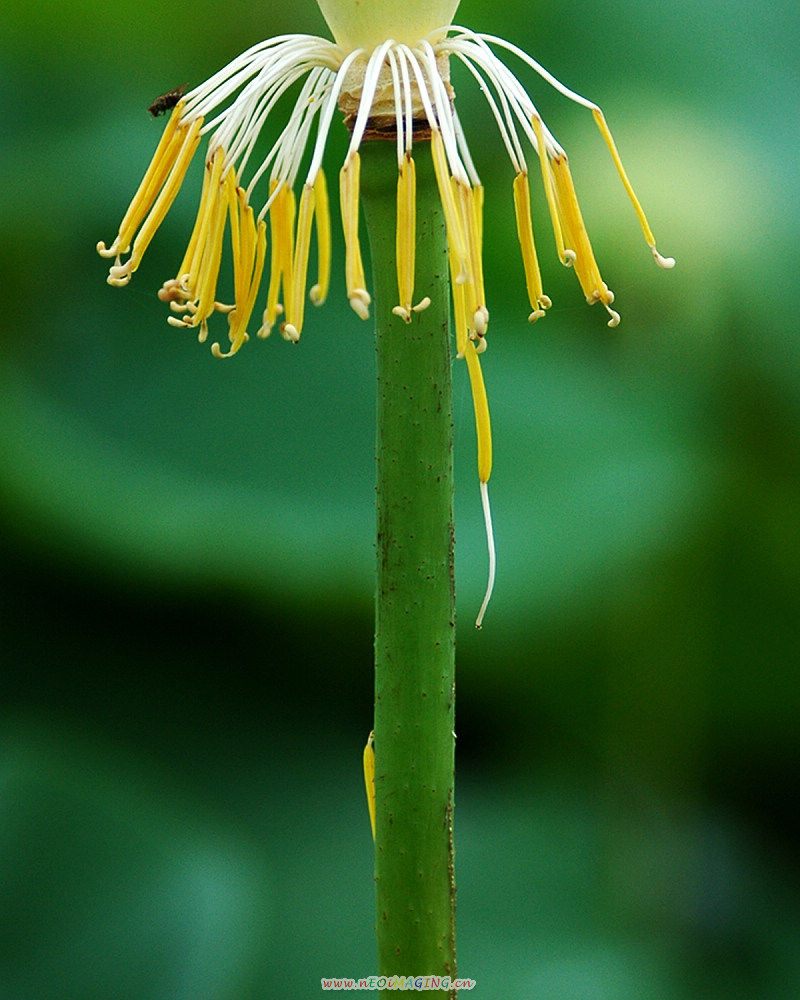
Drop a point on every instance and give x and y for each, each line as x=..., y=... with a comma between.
x=533, y=278
x=322, y=217
x=369, y=779
x=349, y=187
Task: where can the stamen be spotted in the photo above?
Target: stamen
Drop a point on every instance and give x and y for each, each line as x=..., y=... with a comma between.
x=471, y=202
x=220, y=193
x=455, y=227
x=281, y=218
x=166, y=196
x=322, y=218
x=533, y=277
x=567, y=257
x=406, y=235
x=666, y=262
x=295, y=294
x=354, y=266
x=249, y=252
x=586, y=269
x=163, y=161
x=484, y=434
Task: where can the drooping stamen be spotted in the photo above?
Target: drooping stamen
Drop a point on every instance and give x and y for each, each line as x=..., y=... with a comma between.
x=567, y=257
x=483, y=429
x=605, y=131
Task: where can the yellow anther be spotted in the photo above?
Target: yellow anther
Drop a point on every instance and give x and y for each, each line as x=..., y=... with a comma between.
x=349, y=185
x=533, y=277
x=322, y=217
x=406, y=236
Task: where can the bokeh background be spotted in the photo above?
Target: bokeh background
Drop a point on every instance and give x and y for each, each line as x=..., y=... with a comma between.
x=187, y=546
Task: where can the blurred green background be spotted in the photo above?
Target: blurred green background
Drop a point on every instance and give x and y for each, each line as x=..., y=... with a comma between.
x=187, y=547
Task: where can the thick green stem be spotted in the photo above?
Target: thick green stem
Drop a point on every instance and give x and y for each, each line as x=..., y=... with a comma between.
x=415, y=603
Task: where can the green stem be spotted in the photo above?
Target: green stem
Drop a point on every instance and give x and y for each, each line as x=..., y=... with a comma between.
x=415, y=593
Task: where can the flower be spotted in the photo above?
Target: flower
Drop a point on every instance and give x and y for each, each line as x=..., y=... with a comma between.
x=387, y=72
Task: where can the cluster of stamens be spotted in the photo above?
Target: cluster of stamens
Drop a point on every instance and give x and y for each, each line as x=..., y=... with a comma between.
x=406, y=87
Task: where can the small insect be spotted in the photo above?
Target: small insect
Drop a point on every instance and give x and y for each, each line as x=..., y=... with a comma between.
x=168, y=101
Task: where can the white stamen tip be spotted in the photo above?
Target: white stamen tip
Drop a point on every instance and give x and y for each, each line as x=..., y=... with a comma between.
x=666, y=262
x=402, y=312
x=536, y=314
x=360, y=300
x=615, y=317
x=487, y=520
x=569, y=258
x=480, y=320
x=290, y=332
x=422, y=305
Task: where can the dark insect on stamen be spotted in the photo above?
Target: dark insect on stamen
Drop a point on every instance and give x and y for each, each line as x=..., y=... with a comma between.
x=168, y=101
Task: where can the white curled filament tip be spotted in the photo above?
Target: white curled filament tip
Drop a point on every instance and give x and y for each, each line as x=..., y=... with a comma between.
x=487, y=519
